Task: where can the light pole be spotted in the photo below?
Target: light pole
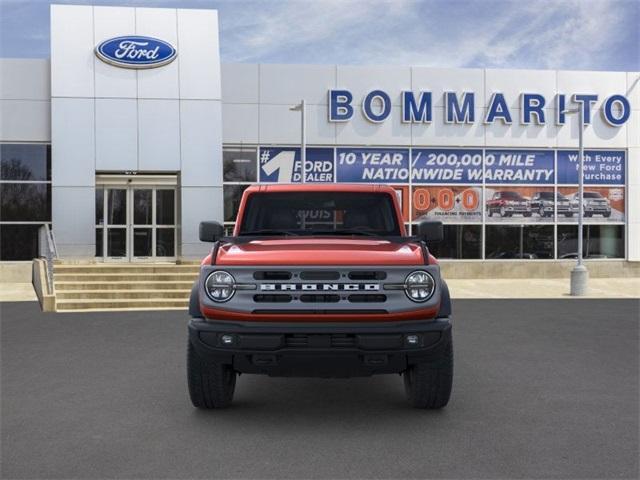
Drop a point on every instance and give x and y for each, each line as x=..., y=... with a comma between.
x=579, y=274
x=303, y=135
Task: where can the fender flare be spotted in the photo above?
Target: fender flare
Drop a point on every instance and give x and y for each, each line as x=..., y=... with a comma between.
x=445, y=301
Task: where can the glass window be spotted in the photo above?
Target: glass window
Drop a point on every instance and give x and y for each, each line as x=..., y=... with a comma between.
x=18, y=242
x=599, y=241
x=99, y=242
x=25, y=202
x=142, y=206
x=330, y=213
x=117, y=207
x=25, y=162
x=528, y=242
x=165, y=242
x=99, y=206
x=165, y=207
x=239, y=164
x=460, y=241
x=232, y=197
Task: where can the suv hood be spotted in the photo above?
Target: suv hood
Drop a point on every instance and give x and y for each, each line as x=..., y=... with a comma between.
x=320, y=251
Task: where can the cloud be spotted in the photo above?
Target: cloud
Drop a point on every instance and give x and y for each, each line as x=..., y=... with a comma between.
x=544, y=34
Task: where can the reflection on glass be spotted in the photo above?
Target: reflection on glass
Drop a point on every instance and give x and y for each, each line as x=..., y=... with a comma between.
x=117, y=242
x=142, y=207
x=239, y=165
x=25, y=162
x=529, y=242
x=460, y=241
x=165, y=207
x=99, y=206
x=165, y=242
x=232, y=196
x=599, y=241
x=142, y=242
x=18, y=242
x=117, y=207
x=25, y=202
x=99, y=242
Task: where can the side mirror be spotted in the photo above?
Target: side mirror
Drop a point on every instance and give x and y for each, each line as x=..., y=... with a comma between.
x=430, y=231
x=211, y=231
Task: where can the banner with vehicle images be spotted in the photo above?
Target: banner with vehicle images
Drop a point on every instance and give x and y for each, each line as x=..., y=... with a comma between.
x=448, y=166
x=601, y=204
x=452, y=204
x=372, y=165
x=284, y=165
x=519, y=204
x=518, y=167
x=601, y=167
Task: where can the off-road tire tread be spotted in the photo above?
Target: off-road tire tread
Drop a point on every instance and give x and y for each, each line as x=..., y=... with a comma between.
x=210, y=385
x=428, y=384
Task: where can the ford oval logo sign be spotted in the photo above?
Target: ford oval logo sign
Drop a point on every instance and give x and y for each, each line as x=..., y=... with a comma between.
x=134, y=51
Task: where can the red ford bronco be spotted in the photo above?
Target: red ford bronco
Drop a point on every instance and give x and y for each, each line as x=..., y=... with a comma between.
x=320, y=281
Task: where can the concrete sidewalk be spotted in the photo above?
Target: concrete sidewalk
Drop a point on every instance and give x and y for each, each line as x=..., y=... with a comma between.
x=541, y=288
x=17, y=292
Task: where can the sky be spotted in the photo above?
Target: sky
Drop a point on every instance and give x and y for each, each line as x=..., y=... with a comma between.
x=534, y=34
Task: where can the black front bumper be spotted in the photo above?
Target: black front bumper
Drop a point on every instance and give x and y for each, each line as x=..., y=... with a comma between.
x=319, y=350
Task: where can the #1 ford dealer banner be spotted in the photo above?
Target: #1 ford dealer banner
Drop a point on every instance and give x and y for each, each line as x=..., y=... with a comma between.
x=283, y=165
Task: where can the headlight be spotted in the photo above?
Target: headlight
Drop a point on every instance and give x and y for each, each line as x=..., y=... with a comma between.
x=220, y=286
x=419, y=286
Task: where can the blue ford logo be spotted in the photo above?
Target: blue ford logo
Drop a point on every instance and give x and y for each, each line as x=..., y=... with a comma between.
x=134, y=51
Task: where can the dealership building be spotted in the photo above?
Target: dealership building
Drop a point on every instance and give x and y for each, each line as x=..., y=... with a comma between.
x=122, y=161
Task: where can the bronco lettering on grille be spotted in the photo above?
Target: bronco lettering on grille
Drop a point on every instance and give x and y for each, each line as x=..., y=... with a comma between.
x=320, y=286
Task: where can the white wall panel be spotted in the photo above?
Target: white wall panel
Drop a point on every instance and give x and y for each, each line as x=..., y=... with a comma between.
x=279, y=125
x=72, y=54
x=319, y=130
x=633, y=89
x=73, y=217
x=519, y=135
x=514, y=82
x=288, y=84
x=360, y=131
x=633, y=170
x=111, y=81
x=159, y=135
x=198, y=204
x=25, y=121
x=24, y=79
x=603, y=84
x=73, y=142
x=159, y=23
x=361, y=80
x=439, y=133
x=116, y=134
x=597, y=135
x=240, y=83
x=201, y=127
x=240, y=123
x=633, y=129
x=199, y=55
x=440, y=80
x=633, y=203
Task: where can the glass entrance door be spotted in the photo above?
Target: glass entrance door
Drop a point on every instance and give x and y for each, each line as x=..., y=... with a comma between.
x=136, y=223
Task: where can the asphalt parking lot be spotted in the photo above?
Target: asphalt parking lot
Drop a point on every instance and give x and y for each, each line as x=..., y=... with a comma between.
x=542, y=389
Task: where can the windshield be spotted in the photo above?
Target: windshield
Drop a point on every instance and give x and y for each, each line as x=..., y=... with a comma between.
x=546, y=195
x=592, y=195
x=512, y=196
x=320, y=213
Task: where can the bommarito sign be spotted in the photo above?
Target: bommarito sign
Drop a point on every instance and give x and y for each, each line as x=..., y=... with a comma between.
x=460, y=108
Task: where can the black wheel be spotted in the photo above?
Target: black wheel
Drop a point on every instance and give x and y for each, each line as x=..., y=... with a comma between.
x=606, y=214
x=527, y=214
x=428, y=384
x=211, y=385
x=568, y=215
x=490, y=212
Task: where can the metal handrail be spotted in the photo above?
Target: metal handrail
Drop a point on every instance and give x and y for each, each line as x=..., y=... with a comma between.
x=50, y=252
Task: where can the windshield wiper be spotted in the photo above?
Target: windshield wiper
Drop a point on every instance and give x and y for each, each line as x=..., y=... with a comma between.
x=267, y=231
x=345, y=232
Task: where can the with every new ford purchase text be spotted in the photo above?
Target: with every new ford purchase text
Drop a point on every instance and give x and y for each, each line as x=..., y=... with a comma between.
x=320, y=281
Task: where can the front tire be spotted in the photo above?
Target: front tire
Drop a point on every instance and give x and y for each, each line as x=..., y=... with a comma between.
x=211, y=385
x=428, y=384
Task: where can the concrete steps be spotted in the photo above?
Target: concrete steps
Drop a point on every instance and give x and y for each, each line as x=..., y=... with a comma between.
x=110, y=287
